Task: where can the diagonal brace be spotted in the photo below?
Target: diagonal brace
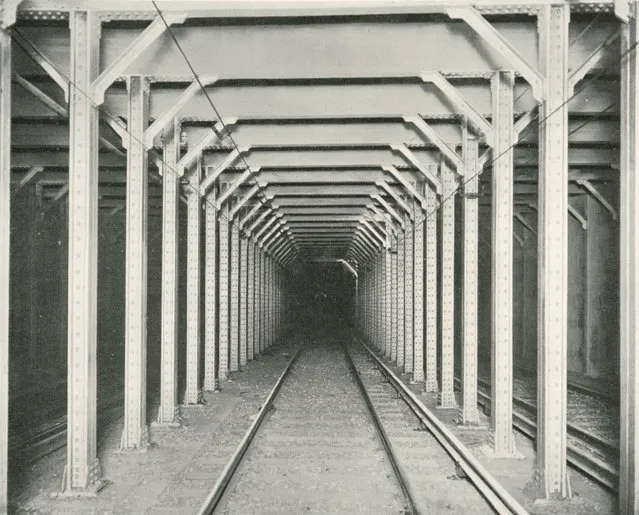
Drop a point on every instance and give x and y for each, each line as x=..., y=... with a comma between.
x=595, y=193
x=407, y=185
x=212, y=177
x=396, y=197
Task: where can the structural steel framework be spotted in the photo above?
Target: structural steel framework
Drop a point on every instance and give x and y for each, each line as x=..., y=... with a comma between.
x=362, y=162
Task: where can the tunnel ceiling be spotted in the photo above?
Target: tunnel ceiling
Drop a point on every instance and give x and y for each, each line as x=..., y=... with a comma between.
x=326, y=125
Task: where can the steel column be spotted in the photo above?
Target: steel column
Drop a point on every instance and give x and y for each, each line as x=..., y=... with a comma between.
x=168, y=412
x=259, y=301
x=5, y=248
x=388, y=299
x=210, y=292
x=401, y=246
x=193, y=286
x=552, y=344
x=243, y=300
x=629, y=269
x=409, y=282
x=235, y=297
x=502, y=264
x=394, y=321
x=431, y=290
x=447, y=394
x=136, y=434
x=223, y=293
x=469, y=414
x=82, y=471
x=250, y=299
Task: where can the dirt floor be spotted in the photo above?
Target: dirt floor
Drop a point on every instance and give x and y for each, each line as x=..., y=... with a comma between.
x=176, y=474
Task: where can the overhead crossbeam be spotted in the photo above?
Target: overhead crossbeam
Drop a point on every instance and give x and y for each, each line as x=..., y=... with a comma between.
x=388, y=228
x=429, y=133
x=259, y=219
x=196, y=151
x=389, y=208
x=400, y=201
x=254, y=210
x=238, y=182
x=368, y=229
x=212, y=177
x=268, y=223
x=451, y=93
x=137, y=47
x=407, y=185
x=165, y=118
x=242, y=202
x=591, y=61
x=595, y=193
x=494, y=39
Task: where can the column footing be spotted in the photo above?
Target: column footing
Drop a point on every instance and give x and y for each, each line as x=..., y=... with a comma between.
x=490, y=452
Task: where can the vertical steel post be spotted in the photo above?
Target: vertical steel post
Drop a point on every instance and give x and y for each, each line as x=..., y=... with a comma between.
x=235, y=297
x=629, y=269
x=431, y=290
x=168, y=412
x=259, y=301
x=82, y=471
x=409, y=283
x=553, y=254
x=5, y=246
x=447, y=394
x=469, y=414
x=193, y=285
x=401, y=246
x=243, y=300
x=392, y=253
x=502, y=264
x=210, y=292
x=223, y=294
x=388, y=298
x=136, y=434
x=250, y=299
x=419, y=229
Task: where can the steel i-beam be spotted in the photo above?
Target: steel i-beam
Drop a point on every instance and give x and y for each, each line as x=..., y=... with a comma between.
x=629, y=269
x=5, y=246
x=469, y=413
x=409, y=282
x=168, y=412
x=401, y=328
x=193, y=286
x=250, y=300
x=243, y=269
x=502, y=268
x=447, y=393
x=431, y=383
x=82, y=471
x=136, y=434
x=223, y=294
x=210, y=292
x=234, y=297
x=552, y=363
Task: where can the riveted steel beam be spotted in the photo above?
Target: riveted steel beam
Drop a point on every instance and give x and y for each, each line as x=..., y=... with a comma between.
x=5, y=247
x=409, y=284
x=407, y=185
x=136, y=434
x=400, y=201
x=502, y=272
x=242, y=202
x=260, y=203
x=82, y=471
x=174, y=109
x=193, y=287
x=412, y=158
x=389, y=208
x=168, y=413
x=451, y=93
x=137, y=47
x=447, y=371
x=243, y=304
x=214, y=135
x=230, y=159
x=250, y=172
x=595, y=193
x=591, y=61
x=469, y=413
x=257, y=222
x=250, y=300
x=210, y=293
x=223, y=293
x=552, y=364
x=490, y=35
x=234, y=298
x=400, y=296
x=431, y=308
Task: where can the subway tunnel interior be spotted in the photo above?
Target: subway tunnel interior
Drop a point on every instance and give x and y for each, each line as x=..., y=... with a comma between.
x=364, y=185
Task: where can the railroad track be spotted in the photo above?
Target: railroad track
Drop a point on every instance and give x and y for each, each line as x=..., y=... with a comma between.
x=51, y=436
x=400, y=462
x=588, y=452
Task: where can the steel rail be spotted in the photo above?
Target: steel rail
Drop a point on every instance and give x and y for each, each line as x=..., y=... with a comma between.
x=499, y=498
x=577, y=456
x=383, y=436
x=212, y=500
